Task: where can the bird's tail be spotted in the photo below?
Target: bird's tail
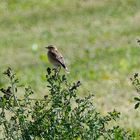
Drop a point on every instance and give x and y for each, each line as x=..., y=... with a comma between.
x=64, y=66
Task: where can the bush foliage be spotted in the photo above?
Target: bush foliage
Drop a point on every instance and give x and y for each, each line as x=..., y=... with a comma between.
x=59, y=115
x=136, y=83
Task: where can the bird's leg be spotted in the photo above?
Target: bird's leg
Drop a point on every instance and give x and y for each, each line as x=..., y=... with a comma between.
x=57, y=70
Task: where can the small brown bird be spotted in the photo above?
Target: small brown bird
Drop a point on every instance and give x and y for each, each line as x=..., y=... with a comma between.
x=55, y=57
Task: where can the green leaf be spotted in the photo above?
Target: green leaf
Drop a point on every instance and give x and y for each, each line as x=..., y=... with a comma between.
x=137, y=105
x=137, y=99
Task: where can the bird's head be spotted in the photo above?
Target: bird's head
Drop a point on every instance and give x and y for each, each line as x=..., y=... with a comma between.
x=51, y=47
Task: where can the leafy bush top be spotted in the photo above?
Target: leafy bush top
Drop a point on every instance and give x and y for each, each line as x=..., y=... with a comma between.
x=136, y=83
x=60, y=115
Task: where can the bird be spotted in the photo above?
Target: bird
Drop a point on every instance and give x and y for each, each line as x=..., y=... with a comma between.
x=56, y=58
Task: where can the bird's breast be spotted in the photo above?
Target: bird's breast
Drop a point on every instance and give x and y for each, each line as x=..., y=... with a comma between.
x=52, y=59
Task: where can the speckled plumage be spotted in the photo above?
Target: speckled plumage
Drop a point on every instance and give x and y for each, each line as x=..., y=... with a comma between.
x=55, y=57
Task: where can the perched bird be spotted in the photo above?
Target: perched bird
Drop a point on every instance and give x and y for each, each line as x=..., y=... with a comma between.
x=56, y=58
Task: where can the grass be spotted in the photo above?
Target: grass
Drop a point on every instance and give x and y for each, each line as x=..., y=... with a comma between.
x=97, y=38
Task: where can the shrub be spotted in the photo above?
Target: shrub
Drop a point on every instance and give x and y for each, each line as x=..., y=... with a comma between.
x=60, y=115
x=136, y=83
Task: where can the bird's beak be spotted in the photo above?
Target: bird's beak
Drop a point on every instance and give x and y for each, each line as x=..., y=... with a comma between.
x=46, y=47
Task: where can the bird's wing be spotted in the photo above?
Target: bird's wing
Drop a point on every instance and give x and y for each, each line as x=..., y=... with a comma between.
x=58, y=57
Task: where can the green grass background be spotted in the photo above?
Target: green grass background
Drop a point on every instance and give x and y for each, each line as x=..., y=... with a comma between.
x=96, y=37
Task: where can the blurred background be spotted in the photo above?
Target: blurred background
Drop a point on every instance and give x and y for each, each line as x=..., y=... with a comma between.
x=97, y=38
